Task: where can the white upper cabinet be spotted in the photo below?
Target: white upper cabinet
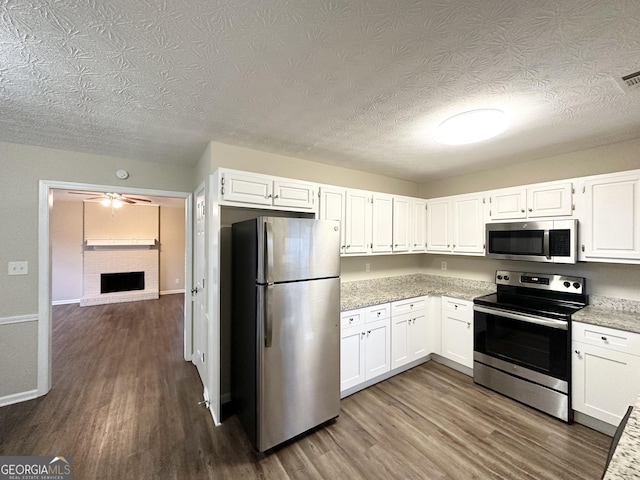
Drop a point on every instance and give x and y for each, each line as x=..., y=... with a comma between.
x=418, y=222
x=265, y=191
x=438, y=226
x=468, y=224
x=554, y=199
x=357, y=222
x=382, y=233
x=610, y=221
x=455, y=225
x=508, y=204
x=332, y=207
x=402, y=222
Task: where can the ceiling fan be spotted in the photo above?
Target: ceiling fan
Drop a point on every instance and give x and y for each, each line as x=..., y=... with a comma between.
x=112, y=199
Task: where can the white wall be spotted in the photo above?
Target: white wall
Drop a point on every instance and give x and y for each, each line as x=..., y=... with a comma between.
x=22, y=167
x=66, y=252
x=172, y=249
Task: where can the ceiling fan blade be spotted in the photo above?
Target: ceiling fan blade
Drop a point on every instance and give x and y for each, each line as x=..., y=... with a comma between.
x=95, y=198
x=137, y=199
x=126, y=200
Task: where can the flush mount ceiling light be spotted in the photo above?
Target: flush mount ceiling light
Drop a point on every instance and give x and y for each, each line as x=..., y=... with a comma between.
x=472, y=126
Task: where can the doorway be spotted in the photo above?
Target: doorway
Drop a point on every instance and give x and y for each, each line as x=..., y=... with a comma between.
x=45, y=266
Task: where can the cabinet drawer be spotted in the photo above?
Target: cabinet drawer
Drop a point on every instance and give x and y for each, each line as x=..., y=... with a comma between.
x=377, y=312
x=352, y=318
x=456, y=305
x=408, y=306
x=627, y=342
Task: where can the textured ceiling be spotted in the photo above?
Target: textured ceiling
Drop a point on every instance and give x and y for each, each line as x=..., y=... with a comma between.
x=360, y=84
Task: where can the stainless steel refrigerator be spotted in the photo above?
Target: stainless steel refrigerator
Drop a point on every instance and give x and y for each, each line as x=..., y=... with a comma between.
x=285, y=331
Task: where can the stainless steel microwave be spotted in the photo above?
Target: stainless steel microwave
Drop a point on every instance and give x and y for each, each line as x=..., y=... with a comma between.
x=553, y=241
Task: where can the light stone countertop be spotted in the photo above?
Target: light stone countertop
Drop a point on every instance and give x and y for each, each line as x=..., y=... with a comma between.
x=611, y=312
x=625, y=463
x=364, y=293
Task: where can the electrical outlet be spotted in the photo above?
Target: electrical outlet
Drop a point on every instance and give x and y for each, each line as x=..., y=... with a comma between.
x=18, y=268
x=367, y=267
x=443, y=265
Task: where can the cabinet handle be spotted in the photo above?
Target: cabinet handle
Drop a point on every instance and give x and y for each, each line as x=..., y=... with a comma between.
x=454, y=245
x=455, y=306
x=531, y=209
x=348, y=246
x=350, y=320
x=396, y=245
x=522, y=210
x=577, y=352
x=448, y=245
x=379, y=313
x=604, y=339
x=222, y=189
x=368, y=333
x=363, y=334
x=468, y=324
x=411, y=305
x=583, y=248
x=277, y=196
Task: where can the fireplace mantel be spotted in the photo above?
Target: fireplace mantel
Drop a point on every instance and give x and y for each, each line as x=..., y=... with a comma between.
x=120, y=242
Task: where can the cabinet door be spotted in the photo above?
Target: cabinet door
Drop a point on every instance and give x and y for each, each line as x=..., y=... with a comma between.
x=378, y=349
x=457, y=337
x=400, y=339
x=419, y=226
x=611, y=227
x=293, y=194
x=401, y=224
x=357, y=222
x=550, y=200
x=418, y=336
x=243, y=188
x=508, y=204
x=382, y=237
x=438, y=228
x=332, y=207
x=468, y=225
x=352, y=356
x=605, y=382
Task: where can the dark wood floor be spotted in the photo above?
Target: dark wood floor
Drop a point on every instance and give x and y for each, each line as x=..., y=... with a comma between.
x=124, y=405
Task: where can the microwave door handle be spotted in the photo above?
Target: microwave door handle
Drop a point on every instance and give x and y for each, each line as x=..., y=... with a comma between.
x=545, y=245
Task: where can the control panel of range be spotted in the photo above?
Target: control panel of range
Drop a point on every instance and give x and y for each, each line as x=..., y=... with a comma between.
x=542, y=281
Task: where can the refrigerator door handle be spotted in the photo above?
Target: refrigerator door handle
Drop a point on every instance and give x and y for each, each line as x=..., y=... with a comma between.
x=268, y=254
x=268, y=317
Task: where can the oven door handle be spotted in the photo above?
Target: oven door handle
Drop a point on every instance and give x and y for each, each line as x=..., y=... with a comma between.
x=547, y=322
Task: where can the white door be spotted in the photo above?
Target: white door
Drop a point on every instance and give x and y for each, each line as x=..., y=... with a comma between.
x=377, y=353
x=438, y=228
x=550, y=200
x=419, y=230
x=352, y=347
x=508, y=204
x=246, y=188
x=357, y=222
x=418, y=335
x=382, y=224
x=400, y=350
x=468, y=225
x=332, y=208
x=293, y=194
x=611, y=228
x=401, y=224
x=199, y=297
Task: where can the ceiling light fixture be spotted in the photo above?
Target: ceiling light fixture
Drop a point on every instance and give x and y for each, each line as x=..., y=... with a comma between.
x=472, y=126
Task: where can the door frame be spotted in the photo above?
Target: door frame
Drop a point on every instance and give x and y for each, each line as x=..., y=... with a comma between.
x=45, y=203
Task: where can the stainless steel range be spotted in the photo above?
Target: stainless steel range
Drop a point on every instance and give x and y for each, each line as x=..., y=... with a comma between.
x=522, y=338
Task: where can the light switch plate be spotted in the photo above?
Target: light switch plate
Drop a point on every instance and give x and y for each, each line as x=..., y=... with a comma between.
x=18, y=268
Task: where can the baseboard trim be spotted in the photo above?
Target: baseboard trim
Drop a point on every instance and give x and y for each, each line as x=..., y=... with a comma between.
x=594, y=423
x=454, y=365
x=66, y=302
x=18, y=397
x=19, y=319
x=171, y=292
x=225, y=398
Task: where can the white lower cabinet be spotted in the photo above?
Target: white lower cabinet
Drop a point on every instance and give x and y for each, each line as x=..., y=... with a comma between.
x=457, y=331
x=409, y=340
x=365, y=349
x=605, y=365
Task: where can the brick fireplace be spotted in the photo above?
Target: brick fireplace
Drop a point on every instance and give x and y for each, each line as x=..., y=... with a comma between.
x=100, y=260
